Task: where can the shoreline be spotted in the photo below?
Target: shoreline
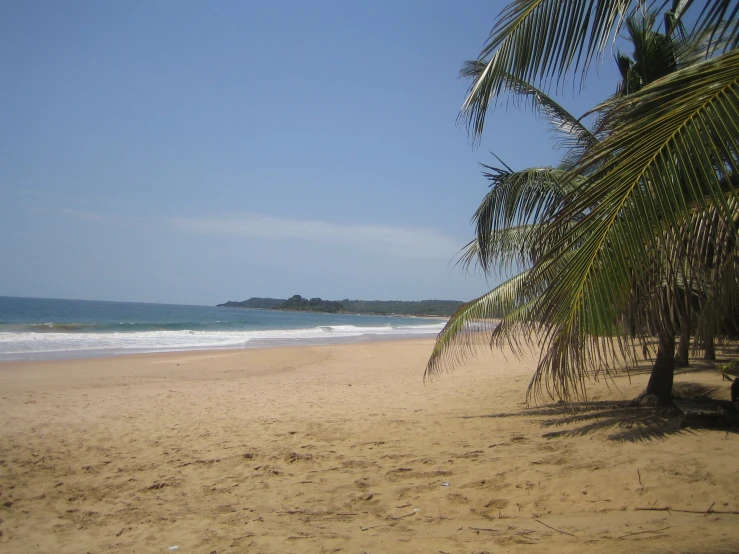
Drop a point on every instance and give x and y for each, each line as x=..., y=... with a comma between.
x=344, y=447
x=249, y=345
x=377, y=314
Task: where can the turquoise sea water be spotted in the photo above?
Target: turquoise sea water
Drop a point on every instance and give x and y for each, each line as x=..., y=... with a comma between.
x=41, y=328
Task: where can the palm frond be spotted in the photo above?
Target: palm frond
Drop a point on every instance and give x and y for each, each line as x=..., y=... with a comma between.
x=720, y=16
x=710, y=247
x=471, y=325
x=629, y=80
x=515, y=199
x=496, y=319
x=542, y=42
x=694, y=48
x=572, y=133
x=654, y=53
x=673, y=143
x=510, y=247
x=574, y=137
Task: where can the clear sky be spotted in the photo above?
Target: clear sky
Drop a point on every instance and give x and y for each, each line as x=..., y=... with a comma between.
x=198, y=152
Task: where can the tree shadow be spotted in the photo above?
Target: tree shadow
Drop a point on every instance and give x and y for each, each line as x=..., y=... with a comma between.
x=626, y=423
x=697, y=407
x=696, y=391
x=632, y=423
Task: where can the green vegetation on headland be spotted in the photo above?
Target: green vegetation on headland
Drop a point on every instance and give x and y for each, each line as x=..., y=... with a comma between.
x=297, y=303
x=399, y=307
x=258, y=303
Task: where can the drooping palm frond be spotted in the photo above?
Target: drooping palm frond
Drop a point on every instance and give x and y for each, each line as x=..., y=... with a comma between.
x=718, y=15
x=719, y=313
x=708, y=241
x=618, y=307
x=510, y=247
x=694, y=48
x=472, y=324
x=673, y=143
x=538, y=41
x=572, y=133
x=515, y=199
x=573, y=136
x=543, y=41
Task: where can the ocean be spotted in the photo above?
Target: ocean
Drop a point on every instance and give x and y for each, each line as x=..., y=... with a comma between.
x=47, y=328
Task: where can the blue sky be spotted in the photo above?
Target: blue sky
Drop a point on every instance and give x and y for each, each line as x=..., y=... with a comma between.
x=192, y=152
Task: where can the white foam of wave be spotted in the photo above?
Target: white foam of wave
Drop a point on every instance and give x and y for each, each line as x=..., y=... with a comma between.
x=24, y=343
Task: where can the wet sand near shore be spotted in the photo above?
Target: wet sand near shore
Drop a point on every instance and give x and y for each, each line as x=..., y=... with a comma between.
x=342, y=448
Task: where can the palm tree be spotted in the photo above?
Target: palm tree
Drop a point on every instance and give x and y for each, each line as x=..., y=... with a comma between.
x=510, y=233
x=656, y=55
x=667, y=157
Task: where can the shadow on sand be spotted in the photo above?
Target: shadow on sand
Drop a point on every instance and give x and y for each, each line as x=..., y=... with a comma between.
x=696, y=408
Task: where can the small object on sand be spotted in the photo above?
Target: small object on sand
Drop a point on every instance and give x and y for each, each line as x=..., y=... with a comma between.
x=445, y=484
x=174, y=547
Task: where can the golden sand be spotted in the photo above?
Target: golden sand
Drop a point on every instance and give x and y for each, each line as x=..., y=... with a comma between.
x=344, y=449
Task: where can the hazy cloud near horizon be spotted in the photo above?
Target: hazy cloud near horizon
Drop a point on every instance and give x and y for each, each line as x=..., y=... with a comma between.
x=77, y=214
x=402, y=241
x=89, y=216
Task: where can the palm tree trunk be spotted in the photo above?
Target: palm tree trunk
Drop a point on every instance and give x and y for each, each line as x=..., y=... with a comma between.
x=660, y=382
x=709, y=348
x=683, y=347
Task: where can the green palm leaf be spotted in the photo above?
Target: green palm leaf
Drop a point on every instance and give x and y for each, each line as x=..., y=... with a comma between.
x=509, y=247
x=671, y=144
x=538, y=41
x=573, y=135
x=545, y=41
x=720, y=16
x=516, y=199
x=472, y=324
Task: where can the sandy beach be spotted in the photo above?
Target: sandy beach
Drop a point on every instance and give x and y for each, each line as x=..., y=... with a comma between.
x=343, y=448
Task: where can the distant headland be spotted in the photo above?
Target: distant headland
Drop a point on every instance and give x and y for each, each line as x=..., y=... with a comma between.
x=425, y=308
